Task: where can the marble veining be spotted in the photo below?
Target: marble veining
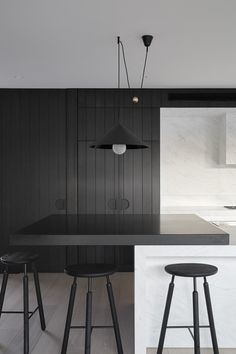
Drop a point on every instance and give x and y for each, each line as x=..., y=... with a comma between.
x=192, y=172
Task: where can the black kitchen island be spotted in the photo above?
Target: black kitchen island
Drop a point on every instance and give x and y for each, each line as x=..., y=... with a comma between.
x=101, y=229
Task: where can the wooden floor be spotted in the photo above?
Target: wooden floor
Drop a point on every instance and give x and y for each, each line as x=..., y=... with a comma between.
x=55, y=292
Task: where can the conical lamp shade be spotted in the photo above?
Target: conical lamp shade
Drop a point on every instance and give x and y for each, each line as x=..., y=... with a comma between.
x=119, y=134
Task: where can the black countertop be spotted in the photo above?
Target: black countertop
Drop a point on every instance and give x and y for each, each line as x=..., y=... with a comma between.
x=164, y=229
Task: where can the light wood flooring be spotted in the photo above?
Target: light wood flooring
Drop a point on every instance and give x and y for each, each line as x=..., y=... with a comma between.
x=55, y=292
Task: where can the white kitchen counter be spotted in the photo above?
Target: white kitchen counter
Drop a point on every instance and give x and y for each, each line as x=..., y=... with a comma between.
x=222, y=217
x=209, y=213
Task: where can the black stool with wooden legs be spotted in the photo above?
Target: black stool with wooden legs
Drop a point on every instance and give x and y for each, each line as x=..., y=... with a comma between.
x=91, y=271
x=22, y=259
x=192, y=270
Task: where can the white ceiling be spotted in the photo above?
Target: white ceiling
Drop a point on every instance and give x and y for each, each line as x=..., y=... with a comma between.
x=72, y=43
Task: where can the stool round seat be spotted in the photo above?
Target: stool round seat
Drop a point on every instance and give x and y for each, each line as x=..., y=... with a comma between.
x=192, y=270
x=19, y=258
x=90, y=270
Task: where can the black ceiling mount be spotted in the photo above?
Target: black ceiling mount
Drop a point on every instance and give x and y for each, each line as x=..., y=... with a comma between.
x=147, y=40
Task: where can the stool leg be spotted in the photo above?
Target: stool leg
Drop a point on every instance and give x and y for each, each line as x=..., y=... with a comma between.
x=210, y=316
x=114, y=316
x=39, y=298
x=88, y=324
x=69, y=317
x=26, y=310
x=196, y=318
x=166, y=316
x=3, y=290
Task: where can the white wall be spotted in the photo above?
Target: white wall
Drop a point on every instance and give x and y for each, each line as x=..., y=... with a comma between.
x=191, y=172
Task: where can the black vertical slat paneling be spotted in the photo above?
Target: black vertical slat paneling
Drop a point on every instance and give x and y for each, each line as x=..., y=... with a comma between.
x=129, y=114
x=43, y=155
x=146, y=164
x=109, y=161
x=81, y=117
x=52, y=108
x=100, y=164
x=90, y=180
x=82, y=165
x=91, y=165
x=137, y=166
x=87, y=167
x=34, y=142
x=44, y=190
x=59, y=156
x=72, y=131
x=71, y=151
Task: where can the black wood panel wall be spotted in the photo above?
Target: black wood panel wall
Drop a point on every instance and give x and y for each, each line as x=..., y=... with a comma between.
x=32, y=162
x=47, y=166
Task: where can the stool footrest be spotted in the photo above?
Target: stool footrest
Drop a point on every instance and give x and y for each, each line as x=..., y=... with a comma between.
x=189, y=328
x=83, y=327
x=203, y=326
x=20, y=312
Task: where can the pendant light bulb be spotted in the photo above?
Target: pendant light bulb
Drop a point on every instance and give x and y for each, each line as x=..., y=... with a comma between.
x=119, y=149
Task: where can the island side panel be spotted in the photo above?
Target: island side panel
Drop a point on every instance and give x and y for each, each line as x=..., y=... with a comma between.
x=151, y=285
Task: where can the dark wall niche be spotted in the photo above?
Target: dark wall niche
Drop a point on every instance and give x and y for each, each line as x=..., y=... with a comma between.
x=47, y=166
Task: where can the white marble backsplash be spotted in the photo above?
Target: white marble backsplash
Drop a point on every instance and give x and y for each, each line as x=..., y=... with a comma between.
x=191, y=170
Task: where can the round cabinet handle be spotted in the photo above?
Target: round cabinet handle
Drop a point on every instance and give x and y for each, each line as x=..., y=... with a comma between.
x=118, y=204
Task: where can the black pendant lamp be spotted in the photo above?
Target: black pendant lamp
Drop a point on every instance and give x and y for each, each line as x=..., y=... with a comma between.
x=120, y=138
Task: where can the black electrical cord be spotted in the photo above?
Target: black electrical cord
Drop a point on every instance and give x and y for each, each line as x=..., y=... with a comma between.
x=144, y=67
x=118, y=42
x=125, y=64
x=147, y=42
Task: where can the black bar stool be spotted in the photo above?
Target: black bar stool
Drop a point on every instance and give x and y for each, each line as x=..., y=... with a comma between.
x=22, y=259
x=192, y=270
x=90, y=271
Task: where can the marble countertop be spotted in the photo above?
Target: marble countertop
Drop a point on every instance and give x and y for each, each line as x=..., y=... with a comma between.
x=210, y=213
